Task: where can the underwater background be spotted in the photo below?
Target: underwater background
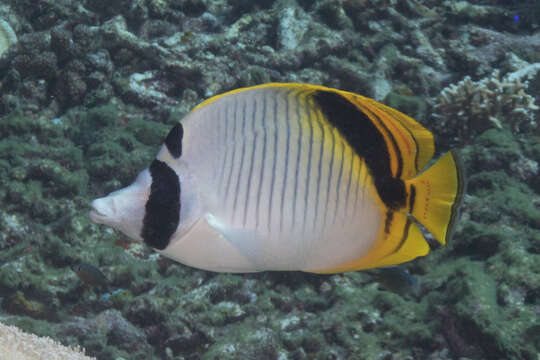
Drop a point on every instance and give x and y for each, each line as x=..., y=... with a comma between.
x=89, y=89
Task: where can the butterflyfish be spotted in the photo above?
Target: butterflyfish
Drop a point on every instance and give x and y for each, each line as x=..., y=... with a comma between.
x=290, y=177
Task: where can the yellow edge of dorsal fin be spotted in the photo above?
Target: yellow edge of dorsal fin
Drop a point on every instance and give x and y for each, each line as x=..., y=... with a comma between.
x=363, y=106
x=262, y=86
x=402, y=134
x=422, y=137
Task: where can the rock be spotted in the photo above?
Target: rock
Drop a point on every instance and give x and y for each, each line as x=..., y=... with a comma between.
x=293, y=24
x=42, y=66
x=148, y=89
x=120, y=332
x=261, y=343
x=143, y=312
x=20, y=304
x=184, y=342
x=63, y=44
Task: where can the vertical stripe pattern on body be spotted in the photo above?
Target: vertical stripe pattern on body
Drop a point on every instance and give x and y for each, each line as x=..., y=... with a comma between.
x=298, y=158
x=319, y=169
x=262, y=163
x=224, y=124
x=252, y=159
x=349, y=182
x=338, y=184
x=330, y=170
x=242, y=156
x=286, y=163
x=233, y=157
x=310, y=155
x=286, y=166
x=274, y=161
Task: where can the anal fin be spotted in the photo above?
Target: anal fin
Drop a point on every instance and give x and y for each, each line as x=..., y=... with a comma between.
x=400, y=242
x=207, y=246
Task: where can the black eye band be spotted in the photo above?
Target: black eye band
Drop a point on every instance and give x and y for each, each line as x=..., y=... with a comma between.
x=173, y=141
x=163, y=206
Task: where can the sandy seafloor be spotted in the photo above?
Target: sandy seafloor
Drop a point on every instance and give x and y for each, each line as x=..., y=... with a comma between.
x=89, y=88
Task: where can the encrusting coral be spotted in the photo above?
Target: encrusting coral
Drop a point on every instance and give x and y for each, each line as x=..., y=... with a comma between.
x=18, y=345
x=468, y=108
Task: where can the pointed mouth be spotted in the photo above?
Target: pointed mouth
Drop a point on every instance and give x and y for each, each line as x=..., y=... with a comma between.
x=96, y=216
x=99, y=213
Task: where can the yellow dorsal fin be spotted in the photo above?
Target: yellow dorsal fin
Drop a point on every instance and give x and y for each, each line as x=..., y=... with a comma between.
x=401, y=242
x=414, y=142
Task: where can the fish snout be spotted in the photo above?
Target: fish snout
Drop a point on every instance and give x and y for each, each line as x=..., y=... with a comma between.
x=103, y=210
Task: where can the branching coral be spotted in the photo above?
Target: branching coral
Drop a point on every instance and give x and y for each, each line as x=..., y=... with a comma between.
x=467, y=108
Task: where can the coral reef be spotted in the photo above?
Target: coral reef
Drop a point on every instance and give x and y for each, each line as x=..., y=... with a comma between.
x=92, y=87
x=468, y=108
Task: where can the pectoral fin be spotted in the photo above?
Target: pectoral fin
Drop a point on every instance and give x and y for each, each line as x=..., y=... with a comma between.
x=207, y=246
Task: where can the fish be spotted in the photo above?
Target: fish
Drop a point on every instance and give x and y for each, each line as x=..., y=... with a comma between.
x=290, y=177
x=397, y=280
x=90, y=275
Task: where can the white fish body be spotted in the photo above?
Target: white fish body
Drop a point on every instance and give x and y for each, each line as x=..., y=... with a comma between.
x=259, y=179
x=252, y=208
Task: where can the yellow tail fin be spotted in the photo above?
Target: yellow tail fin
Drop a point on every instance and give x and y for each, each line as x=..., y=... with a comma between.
x=435, y=196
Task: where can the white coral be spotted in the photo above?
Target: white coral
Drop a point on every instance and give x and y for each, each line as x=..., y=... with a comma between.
x=470, y=107
x=18, y=345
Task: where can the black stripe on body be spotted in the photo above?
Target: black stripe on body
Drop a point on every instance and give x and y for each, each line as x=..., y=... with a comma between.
x=364, y=137
x=338, y=185
x=388, y=221
x=287, y=122
x=262, y=163
x=403, y=237
x=252, y=161
x=162, y=210
x=242, y=155
x=173, y=141
x=274, y=162
x=330, y=173
x=319, y=170
x=406, y=128
x=399, y=170
x=298, y=158
x=308, y=171
x=233, y=157
x=359, y=181
x=417, y=152
x=223, y=119
x=412, y=198
x=349, y=184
